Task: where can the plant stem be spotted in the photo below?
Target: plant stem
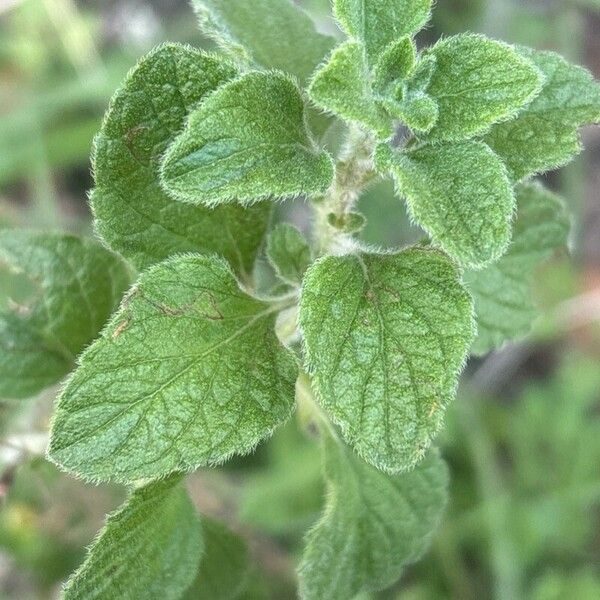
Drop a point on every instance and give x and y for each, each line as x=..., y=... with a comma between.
x=311, y=417
x=354, y=170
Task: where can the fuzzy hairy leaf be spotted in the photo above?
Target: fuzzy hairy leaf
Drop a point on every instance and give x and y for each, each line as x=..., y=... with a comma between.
x=342, y=85
x=188, y=372
x=373, y=525
x=502, y=291
x=409, y=101
x=224, y=568
x=544, y=135
x=422, y=74
x=246, y=142
x=478, y=82
x=378, y=24
x=275, y=33
x=77, y=285
x=150, y=548
x=289, y=253
x=133, y=214
x=395, y=64
x=418, y=111
x=386, y=337
x=459, y=193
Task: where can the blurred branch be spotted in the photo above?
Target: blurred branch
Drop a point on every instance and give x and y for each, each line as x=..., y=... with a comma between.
x=74, y=34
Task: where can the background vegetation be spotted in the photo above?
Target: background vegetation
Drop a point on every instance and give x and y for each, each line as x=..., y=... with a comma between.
x=523, y=438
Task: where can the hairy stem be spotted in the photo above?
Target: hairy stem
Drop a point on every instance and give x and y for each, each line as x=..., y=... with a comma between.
x=354, y=170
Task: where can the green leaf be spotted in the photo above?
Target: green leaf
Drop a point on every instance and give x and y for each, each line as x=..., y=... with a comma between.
x=224, y=568
x=133, y=214
x=386, y=337
x=343, y=86
x=545, y=135
x=395, y=64
x=478, y=82
x=76, y=285
x=150, y=548
x=378, y=24
x=409, y=101
x=289, y=253
x=422, y=74
x=373, y=525
x=418, y=111
x=246, y=142
x=187, y=373
x=459, y=193
x=502, y=292
x=275, y=33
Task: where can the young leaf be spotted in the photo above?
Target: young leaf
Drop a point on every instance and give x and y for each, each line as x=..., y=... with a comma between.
x=478, y=82
x=386, y=337
x=502, y=291
x=373, y=525
x=395, y=64
x=418, y=111
x=188, y=372
x=224, y=568
x=289, y=253
x=544, y=135
x=133, y=214
x=246, y=142
x=276, y=33
x=422, y=74
x=78, y=284
x=342, y=85
x=378, y=24
x=150, y=548
x=460, y=194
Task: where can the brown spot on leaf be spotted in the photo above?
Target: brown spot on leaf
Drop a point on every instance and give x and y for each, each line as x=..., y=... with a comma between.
x=120, y=328
x=130, y=141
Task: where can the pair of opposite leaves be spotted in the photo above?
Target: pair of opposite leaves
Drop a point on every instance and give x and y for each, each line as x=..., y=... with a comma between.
x=155, y=546
x=248, y=140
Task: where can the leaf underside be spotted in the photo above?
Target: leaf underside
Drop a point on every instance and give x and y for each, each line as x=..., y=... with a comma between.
x=274, y=33
x=289, y=253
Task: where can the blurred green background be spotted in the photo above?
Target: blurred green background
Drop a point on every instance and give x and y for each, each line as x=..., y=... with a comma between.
x=523, y=438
